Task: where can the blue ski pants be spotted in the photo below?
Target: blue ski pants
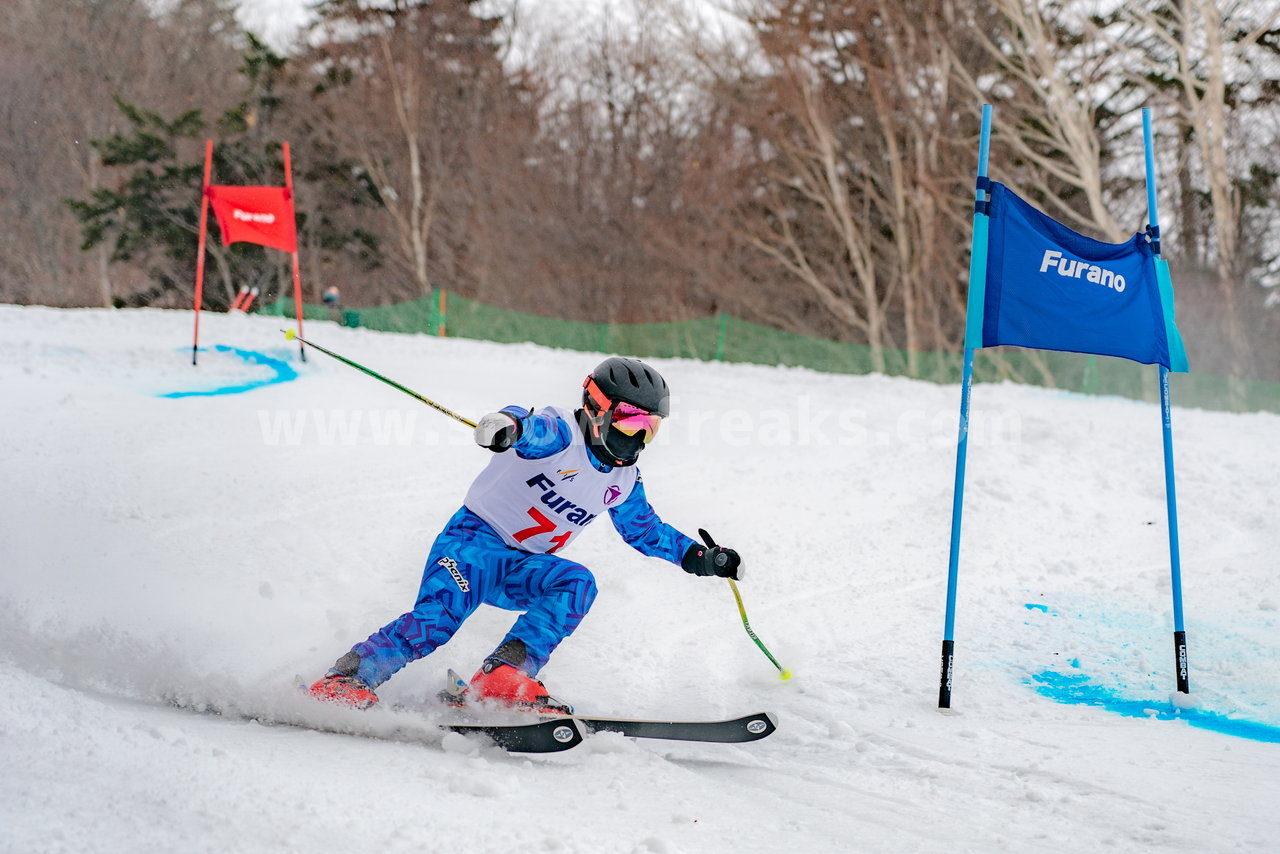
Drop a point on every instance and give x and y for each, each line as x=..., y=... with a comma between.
x=470, y=565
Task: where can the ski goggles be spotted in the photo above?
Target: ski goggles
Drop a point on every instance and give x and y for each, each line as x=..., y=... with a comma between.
x=631, y=420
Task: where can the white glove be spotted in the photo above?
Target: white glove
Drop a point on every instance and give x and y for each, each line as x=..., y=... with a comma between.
x=497, y=431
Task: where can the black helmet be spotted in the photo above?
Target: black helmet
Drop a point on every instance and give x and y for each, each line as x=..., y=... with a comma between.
x=623, y=401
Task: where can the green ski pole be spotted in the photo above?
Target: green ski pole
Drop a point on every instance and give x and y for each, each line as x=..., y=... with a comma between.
x=783, y=673
x=292, y=335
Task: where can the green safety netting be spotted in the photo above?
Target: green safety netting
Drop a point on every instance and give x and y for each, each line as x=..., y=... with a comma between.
x=730, y=339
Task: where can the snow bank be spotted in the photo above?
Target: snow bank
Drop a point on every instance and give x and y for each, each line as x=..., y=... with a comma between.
x=215, y=547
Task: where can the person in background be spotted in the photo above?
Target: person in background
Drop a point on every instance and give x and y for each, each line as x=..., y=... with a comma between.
x=333, y=299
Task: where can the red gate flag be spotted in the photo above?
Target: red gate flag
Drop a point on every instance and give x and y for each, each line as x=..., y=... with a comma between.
x=262, y=215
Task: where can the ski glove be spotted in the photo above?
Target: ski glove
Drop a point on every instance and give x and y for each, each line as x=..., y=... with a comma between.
x=497, y=431
x=712, y=560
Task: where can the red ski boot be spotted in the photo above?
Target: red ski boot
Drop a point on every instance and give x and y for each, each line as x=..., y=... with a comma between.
x=343, y=690
x=501, y=684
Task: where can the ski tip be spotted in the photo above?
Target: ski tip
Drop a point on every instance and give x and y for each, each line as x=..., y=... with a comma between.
x=762, y=728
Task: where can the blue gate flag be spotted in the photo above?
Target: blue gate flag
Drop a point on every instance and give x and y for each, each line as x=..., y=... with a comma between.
x=1051, y=288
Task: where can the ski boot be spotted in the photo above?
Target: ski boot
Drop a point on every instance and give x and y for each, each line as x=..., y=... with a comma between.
x=501, y=684
x=343, y=690
x=341, y=685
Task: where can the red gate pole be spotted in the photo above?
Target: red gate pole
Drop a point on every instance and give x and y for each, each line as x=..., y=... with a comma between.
x=297, y=278
x=204, y=221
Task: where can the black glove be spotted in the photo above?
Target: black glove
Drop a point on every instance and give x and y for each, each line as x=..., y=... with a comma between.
x=712, y=560
x=497, y=431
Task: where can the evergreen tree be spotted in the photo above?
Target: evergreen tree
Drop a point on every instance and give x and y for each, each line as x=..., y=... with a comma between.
x=152, y=216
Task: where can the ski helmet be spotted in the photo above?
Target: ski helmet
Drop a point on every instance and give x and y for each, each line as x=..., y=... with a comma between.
x=623, y=402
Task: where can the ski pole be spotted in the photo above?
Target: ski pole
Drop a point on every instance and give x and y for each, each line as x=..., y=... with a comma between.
x=292, y=335
x=783, y=673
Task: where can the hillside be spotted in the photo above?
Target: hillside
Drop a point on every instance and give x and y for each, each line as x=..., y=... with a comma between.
x=216, y=546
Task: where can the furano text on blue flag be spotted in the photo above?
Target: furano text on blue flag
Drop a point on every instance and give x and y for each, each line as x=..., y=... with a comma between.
x=1072, y=268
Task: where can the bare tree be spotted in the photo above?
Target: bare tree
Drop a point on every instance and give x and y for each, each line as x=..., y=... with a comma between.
x=923, y=131
x=60, y=67
x=1205, y=56
x=1057, y=89
x=1211, y=42
x=625, y=133
x=403, y=86
x=856, y=140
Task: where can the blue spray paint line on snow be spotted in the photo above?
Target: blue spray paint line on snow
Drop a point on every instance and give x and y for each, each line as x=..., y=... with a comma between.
x=283, y=373
x=1064, y=688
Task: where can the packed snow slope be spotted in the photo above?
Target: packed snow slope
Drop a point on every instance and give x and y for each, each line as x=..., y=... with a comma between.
x=215, y=547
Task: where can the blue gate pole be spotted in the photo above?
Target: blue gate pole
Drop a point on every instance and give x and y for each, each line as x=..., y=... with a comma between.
x=1170, y=492
x=972, y=341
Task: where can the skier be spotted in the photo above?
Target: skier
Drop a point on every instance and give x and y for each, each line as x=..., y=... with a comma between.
x=553, y=472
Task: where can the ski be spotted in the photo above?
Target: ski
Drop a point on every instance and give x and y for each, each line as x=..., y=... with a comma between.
x=546, y=736
x=733, y=731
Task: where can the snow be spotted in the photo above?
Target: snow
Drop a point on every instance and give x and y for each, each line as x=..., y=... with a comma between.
x=214, y=548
